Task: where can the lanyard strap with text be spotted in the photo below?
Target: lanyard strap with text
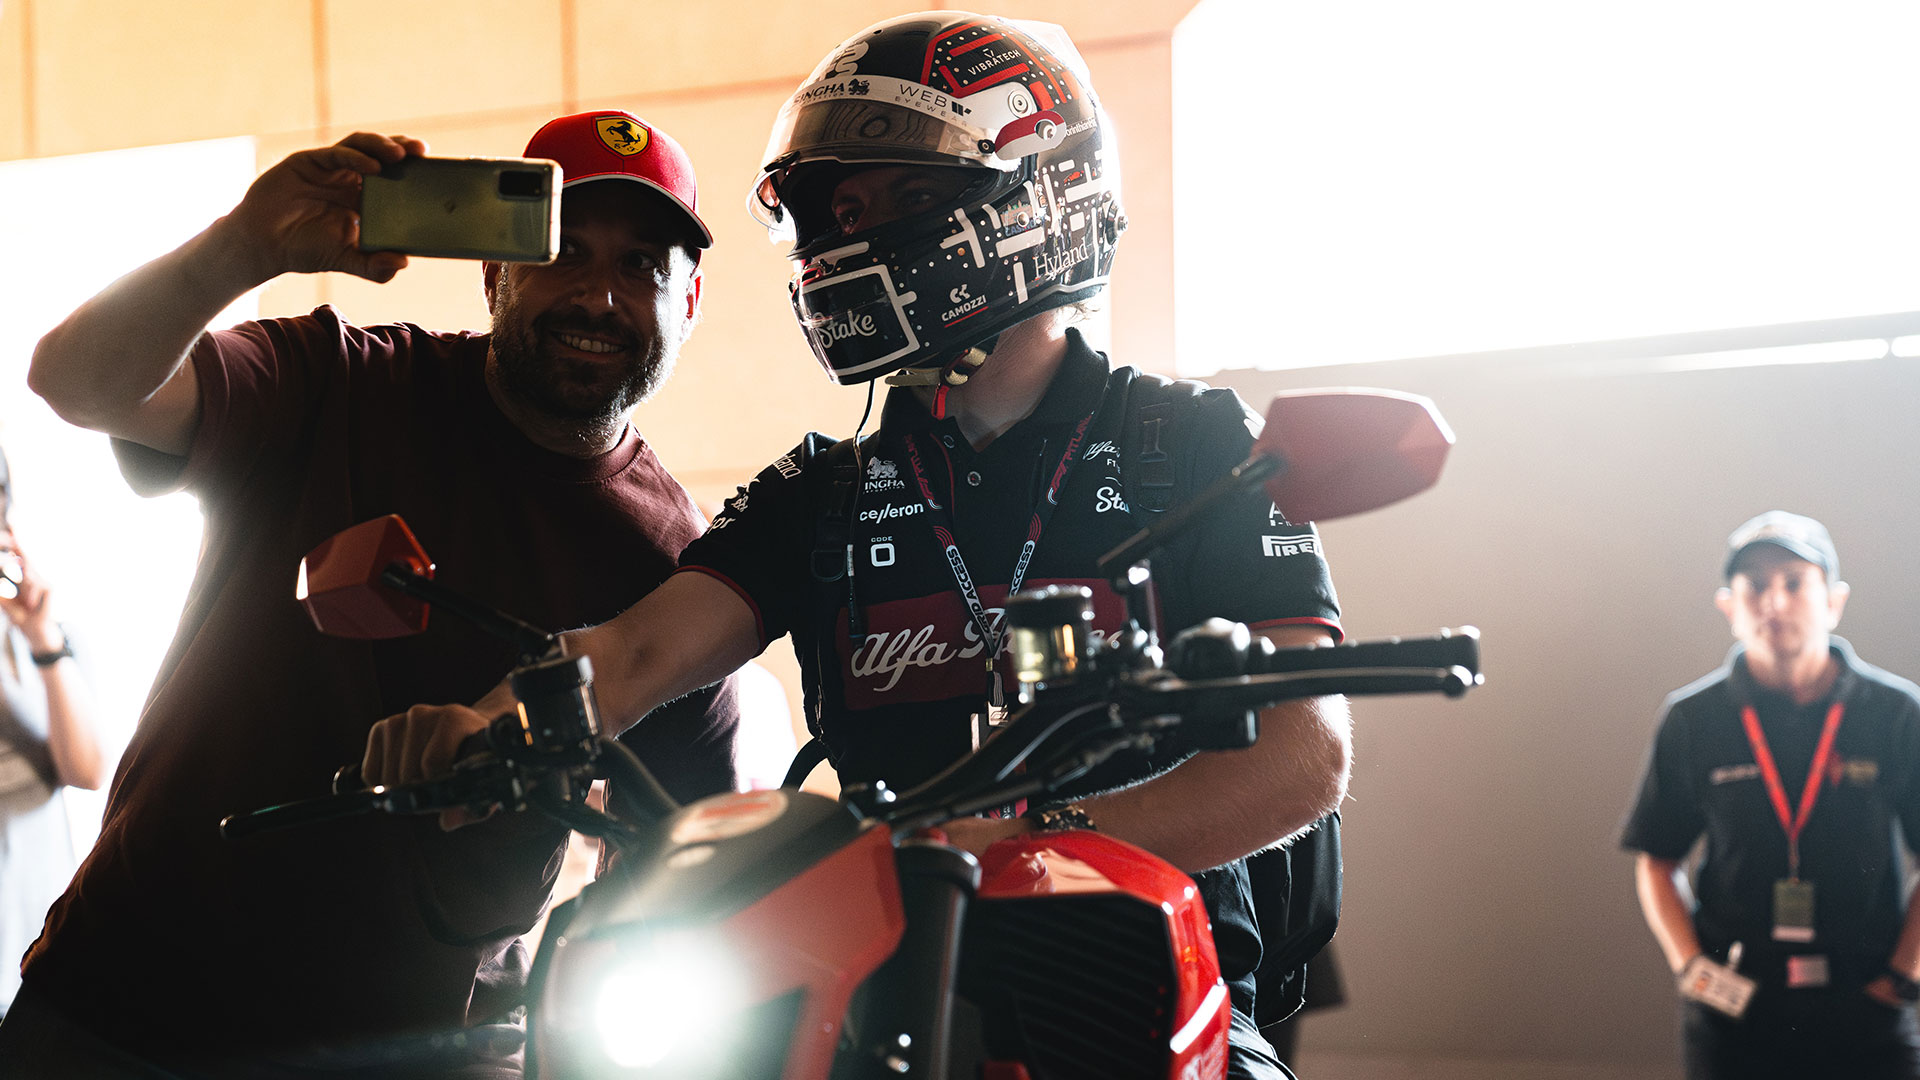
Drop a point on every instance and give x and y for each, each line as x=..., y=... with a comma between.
x=1790, y=821
x=942, y=522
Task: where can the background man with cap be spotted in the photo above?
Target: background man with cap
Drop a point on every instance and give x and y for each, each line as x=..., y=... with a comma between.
x=1794, y=759
x=369, y=946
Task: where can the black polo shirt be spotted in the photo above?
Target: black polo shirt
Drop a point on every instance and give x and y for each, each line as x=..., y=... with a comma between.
x=900, y=703
x=900, y=708
x=1701, y=777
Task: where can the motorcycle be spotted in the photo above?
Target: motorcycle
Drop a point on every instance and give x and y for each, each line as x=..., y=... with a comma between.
x=783, y=934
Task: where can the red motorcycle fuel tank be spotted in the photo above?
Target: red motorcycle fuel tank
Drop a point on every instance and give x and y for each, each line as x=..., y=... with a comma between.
x=1077, y=932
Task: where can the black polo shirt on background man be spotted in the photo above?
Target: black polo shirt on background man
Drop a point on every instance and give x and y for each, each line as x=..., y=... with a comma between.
x=1702, y=778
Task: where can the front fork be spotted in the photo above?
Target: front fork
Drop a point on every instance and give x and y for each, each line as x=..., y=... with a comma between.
x=907, y=1006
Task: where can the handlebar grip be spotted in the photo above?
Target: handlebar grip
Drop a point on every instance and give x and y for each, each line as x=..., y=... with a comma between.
x=1458, y=647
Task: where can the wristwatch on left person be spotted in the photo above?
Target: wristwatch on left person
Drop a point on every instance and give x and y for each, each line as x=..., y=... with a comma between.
x=48, y=659
x=1060, y=819
x=1903, y=988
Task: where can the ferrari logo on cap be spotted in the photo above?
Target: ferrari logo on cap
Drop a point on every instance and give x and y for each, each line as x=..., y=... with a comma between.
x=623, y=134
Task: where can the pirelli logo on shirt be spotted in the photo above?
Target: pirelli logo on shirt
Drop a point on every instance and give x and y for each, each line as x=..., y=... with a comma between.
x=1281, y=546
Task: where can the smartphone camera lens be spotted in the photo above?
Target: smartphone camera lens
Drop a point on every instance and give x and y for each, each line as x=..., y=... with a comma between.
x=522, y=184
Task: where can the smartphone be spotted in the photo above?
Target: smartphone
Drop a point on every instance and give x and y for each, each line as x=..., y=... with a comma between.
x=12, y=574
x=499, y=209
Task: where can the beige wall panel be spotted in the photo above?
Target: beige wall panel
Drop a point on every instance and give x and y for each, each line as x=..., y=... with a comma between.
x=627, y=47
x=111, y=74
x=1135, y=85
x=14, y=101
x=391, y=60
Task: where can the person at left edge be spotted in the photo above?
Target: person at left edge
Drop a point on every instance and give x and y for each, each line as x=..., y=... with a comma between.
x=357, y=944
x=48, y=740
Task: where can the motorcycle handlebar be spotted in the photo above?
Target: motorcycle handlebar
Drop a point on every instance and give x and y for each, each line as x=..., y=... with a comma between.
x=1454, y=647
x=1260, y=675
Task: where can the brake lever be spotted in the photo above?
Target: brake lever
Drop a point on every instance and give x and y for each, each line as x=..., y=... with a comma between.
x=477, y=783
x=349, y=777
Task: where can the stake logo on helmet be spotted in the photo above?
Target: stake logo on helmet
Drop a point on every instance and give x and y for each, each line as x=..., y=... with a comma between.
x=1036, y=229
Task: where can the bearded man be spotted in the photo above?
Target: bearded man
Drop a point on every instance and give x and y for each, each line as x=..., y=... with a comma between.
x=377, y=946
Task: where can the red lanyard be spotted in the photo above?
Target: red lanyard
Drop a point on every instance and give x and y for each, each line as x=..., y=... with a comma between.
x=1791, y=822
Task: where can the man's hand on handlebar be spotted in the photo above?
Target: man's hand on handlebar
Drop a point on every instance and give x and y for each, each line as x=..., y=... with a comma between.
x=421, y=744
x=418, y=744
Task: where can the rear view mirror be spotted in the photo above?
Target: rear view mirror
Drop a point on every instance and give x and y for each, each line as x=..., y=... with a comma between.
x=340, y=581
x=1347, y=451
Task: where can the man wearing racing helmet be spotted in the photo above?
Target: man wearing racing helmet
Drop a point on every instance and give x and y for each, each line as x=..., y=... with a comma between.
x=950, y=185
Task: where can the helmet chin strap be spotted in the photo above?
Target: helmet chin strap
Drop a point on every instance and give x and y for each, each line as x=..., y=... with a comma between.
x=954, y=373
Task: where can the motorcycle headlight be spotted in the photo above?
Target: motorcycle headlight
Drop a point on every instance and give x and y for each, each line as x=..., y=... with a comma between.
x=674, y=996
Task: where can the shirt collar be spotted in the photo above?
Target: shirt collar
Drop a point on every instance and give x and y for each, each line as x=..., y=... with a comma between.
x=1074, y=393
x=1745, y=689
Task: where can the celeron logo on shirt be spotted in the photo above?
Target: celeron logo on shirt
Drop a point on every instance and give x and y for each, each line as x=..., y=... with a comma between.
x=890, y=511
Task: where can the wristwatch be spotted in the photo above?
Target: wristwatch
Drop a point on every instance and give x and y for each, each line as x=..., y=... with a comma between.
x=48, y=659
x=1061, y=818
x=1903, y=988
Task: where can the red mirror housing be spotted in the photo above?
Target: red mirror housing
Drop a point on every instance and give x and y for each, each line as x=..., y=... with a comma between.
x=1346, y=451
x=340, y=584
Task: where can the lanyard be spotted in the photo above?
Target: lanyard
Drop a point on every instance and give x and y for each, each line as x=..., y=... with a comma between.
x=941, y=520
x=1791, y=822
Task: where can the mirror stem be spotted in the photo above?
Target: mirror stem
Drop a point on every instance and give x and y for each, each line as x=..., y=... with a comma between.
x=533, y=642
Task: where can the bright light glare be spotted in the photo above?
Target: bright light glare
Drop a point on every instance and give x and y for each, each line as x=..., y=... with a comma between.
x=119, y=564
x=680, y=992
x=1379, y=179
x=1818, y=352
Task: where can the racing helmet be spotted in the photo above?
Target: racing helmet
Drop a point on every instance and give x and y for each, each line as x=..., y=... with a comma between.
x=1036, y=228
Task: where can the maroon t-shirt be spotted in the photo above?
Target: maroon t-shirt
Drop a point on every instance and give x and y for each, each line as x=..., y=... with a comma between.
x=173, y=942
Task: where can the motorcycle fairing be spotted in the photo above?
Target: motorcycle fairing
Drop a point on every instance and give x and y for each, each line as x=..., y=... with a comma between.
x=1058, y=929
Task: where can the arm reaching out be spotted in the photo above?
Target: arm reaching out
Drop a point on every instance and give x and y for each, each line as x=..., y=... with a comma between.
x=116, y=364
x=689, y=632
x=72, y=739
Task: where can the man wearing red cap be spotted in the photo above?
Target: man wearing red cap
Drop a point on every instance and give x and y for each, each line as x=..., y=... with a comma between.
x=369, y=947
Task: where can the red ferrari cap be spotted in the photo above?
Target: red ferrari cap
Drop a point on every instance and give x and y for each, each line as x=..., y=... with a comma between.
x=609, y=144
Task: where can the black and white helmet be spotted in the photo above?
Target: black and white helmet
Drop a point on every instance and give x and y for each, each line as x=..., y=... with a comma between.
x=1007, y=99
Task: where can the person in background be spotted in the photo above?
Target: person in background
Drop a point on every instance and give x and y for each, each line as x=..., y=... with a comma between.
x=47, y=741
x=372, y=946
x=1800, y=764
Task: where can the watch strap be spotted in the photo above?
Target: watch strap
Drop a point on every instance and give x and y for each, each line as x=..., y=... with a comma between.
x=1061, y=819
x=48, y=659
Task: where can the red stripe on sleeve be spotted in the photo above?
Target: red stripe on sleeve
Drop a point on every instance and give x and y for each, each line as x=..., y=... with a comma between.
x=759, y=623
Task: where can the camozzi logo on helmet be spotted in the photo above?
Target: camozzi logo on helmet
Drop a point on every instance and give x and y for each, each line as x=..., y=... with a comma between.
x=1009, y=105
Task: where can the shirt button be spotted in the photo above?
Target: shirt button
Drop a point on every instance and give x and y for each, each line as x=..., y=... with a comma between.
x=973, y=479
x=947, y=440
